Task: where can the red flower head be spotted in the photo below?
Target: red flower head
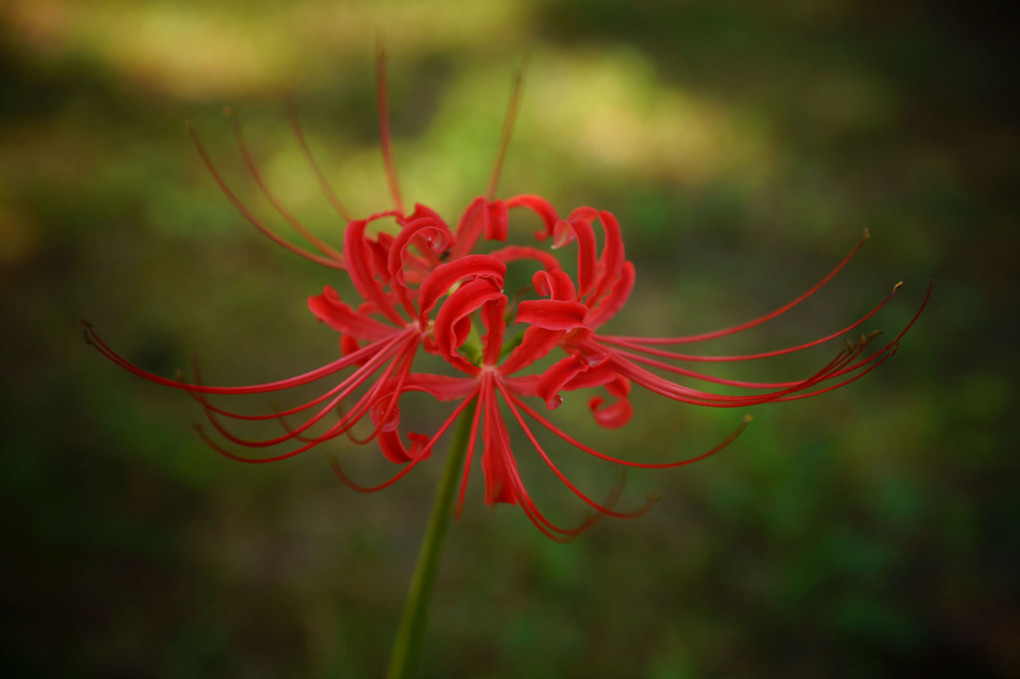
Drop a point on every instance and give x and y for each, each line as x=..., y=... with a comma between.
x=565, y=315
x=426, y=287
x=381, y=335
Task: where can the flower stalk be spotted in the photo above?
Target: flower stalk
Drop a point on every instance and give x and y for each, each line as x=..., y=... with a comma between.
x=406, y=654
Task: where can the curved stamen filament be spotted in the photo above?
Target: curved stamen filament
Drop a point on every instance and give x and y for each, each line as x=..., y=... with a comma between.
x=388, y=345
x=636, y=343
x=253, y=169
x=406, y=361
x=846, y=362
x=627, y=463
x=469, y=456
x=347, y=361
x=334, y=431
x=384, y=127
x=350, y=385
x=678, y=392
x=762, y=319
x=327, y=190
x=252, y=219
x=508, y=129
x=534, y=442
x=423, y=454
x=552, y=530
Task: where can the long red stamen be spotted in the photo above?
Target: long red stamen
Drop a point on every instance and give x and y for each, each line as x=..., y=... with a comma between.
x=347, y=361
x=559, y=474
x=877, y=358
x=423, y=454
x=685, y=394
x=363, y=374
x=508, y=129
x=384, y=127
x=841, y=365
x=472, y=441
x=252, y=219
x=697, y=375
x=552, y=530
x=635, y=343
x=497, y=435
x=382, y=351
x=641, y=465
x=327, y=190
x=758, y=321
x=884, y=357
x=405, y=360
x=253, y=169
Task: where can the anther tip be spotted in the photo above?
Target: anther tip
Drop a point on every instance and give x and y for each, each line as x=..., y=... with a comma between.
x=897, y=286
x=229, y=112
x=867, y=233
x=748, y=418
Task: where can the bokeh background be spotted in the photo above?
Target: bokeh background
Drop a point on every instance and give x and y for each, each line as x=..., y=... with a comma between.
x=744, y=146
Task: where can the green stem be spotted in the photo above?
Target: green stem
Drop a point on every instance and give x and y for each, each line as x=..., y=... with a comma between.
x=404, y=659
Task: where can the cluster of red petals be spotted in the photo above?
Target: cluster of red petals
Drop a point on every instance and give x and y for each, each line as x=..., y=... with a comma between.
x=425, y=287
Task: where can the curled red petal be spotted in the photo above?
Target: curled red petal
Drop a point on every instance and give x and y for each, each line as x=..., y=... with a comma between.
x=557, y=285
x=537, y=344
x=515, y=253
x=445, y=276
x=331, y=310
x=453, y=322
x=612, y=259
x=431, y=236
x=348, y=345
x=552, y=314
x=470, y=227
x=612, y=416
x=539, y=206
x=556, y=376
x=359, y=254
x=579, y=229
x=614, y=301
x=497, y=221
x=395, y=450
x=494, y=319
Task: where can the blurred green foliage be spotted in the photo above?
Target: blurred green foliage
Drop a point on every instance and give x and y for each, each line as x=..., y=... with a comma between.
x=743, y=145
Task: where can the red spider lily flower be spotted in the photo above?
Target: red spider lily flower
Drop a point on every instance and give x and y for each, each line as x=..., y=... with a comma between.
x=566, y=315
x=473, y=288
x=382, y=334
x=425, y=287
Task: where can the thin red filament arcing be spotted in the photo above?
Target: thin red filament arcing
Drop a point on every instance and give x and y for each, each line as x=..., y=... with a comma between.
x=384, y=128
x=327, y=190
x=330, y=262
x=508, y=128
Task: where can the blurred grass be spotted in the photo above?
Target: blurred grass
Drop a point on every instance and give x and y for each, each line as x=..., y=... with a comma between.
x=743, y=145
